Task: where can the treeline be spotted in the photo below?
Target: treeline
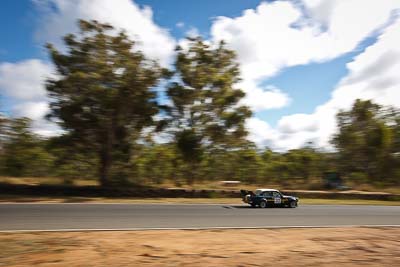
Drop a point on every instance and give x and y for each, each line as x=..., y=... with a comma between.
x=25, y=154
x=367, y=154
x=106, y=100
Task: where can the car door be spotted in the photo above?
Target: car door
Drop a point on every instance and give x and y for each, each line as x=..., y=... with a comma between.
x=277, y=198
x=268, y=196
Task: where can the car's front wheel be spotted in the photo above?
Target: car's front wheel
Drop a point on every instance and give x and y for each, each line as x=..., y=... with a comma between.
x=293, y=204
x=263, y=204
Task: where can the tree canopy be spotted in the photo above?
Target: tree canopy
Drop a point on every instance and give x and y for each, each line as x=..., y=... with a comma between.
x=205, y=112
x=102, y=95
x=366, y=140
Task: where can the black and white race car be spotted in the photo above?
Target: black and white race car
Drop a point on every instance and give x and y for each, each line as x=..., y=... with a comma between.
x=264, y=198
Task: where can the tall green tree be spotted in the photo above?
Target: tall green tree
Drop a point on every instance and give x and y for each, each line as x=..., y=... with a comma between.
x=102, y=96
x=364, y=140
x=24, y=152
x=72, y=160
x=205, y=114
x=303, y=163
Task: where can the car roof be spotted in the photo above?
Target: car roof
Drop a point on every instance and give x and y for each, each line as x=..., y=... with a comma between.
x=266, y=189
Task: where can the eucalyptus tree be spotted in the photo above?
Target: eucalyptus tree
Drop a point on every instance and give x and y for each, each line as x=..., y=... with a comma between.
x=205, y=113
x=103, y=94
x=364, y=140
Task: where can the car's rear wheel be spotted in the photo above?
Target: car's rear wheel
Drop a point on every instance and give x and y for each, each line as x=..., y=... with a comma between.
x=263, y=204
x=293, y=204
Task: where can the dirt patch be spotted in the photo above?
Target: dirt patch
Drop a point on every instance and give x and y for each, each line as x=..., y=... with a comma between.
x=261, y=247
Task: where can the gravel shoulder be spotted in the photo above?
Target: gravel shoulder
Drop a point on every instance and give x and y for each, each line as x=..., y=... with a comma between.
x=261, y=247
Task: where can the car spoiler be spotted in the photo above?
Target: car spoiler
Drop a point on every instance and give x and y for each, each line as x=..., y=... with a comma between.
x=245, y=192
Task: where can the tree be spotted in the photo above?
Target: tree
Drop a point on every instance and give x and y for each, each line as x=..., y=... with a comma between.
x=24, y=152
x=303, y=163
x=156, y=163
x=248, y=165
x=102, y=96
x=364, y=140
x=205, y=114
x=71, y=160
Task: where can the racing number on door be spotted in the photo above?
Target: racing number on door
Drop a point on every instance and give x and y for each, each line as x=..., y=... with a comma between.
x=277, y=200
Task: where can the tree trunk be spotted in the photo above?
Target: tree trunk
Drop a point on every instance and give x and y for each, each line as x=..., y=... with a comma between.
x=106, y=160
x=105, y=164
x=192, y=173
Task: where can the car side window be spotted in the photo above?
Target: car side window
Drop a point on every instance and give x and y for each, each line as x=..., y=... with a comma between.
x=267, y=194
x=276, y=194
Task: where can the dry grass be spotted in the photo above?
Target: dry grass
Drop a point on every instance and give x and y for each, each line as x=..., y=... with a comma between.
x=262, y=247
x=45, y=181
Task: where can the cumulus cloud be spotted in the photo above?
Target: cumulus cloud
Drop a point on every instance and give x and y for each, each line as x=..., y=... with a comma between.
x=297, y=123
x=24, y=80
x=259, y=98
x=59, y=17
x=24, y=83
x=373, y=75
x=261, y=133
x=282, y=34
x=193, y=32
x=34, y=110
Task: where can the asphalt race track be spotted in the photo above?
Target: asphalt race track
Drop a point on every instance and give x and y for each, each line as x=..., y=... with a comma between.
x=133, y=216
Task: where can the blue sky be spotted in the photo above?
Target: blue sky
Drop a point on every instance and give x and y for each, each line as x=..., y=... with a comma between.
x=16, y=31
x=296, y=56
x=19, y=17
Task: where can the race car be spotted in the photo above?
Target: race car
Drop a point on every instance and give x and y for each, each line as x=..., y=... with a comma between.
x=264, y=198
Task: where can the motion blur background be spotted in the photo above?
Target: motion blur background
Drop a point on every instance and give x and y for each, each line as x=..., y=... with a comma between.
x=189, y=93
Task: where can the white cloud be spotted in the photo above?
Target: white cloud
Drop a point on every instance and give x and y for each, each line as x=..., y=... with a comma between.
x=278, y=34
x=33, y=110
x=373, y=75
x=279, y=139
x=24, y=82
x=59, y=17
x=192, y=32
x=297, y=123
x=282, y=34
x=263, y=98
x=260, y=132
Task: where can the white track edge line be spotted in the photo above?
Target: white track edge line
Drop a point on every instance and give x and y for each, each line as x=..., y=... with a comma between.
x=200, y=228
